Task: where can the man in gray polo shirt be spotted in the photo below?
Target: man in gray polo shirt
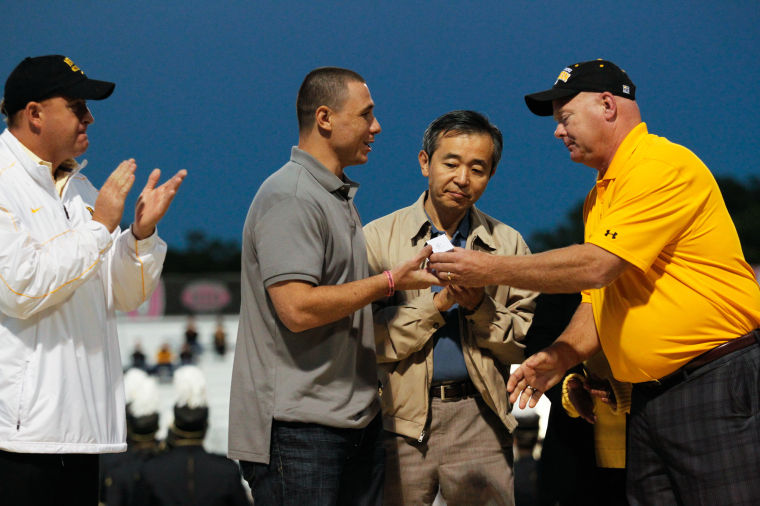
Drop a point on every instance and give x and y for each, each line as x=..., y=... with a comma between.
x=304, y=411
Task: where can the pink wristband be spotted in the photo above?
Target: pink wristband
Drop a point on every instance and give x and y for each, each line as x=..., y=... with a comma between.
x=391, y=284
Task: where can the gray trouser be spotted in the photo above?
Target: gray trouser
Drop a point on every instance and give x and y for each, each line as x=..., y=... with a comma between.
x=697, y=441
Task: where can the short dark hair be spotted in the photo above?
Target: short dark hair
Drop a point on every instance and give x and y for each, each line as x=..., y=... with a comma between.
x=9, y=119
x=322, y=86
x=462, y=122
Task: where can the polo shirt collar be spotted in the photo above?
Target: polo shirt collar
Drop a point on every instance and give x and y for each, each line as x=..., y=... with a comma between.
x=420, y=224
x=323, y=176
x=625, y=150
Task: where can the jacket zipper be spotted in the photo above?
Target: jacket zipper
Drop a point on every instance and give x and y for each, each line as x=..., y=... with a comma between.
x=21, y=397
x=427, y=400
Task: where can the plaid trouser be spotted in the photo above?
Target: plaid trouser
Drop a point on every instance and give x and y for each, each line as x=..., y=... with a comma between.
x=698, y=441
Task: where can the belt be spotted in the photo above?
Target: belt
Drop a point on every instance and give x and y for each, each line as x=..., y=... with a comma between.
x=450, y=391
x=709, y=356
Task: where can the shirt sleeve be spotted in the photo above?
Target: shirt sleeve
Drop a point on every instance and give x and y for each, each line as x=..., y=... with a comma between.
x=501, y=328
x=136, y=267
x=566, y=402
x=289, y=242
x=649, y=209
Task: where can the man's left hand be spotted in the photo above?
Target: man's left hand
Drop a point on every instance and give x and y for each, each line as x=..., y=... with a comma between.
x=462, y=267
x=601, y=389
x=581, y=398
x=154, y=202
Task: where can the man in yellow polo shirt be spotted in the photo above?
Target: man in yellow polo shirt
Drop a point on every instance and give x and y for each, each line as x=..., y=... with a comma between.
x=667, y=295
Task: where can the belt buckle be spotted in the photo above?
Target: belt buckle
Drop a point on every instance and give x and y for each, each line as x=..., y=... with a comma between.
x=443, y=392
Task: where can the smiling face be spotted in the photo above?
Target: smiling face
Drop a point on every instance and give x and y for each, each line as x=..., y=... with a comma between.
x=581, y=126
x=458, y=173
x=63, y=128
x=354, y=126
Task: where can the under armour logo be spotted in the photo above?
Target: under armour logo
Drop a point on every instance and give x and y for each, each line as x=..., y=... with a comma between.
x=613, y=234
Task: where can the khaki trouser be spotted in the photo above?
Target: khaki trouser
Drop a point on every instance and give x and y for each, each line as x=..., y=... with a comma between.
x=468, y=453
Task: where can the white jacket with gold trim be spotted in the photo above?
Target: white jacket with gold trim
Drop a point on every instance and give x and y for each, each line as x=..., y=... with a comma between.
x=62, y=276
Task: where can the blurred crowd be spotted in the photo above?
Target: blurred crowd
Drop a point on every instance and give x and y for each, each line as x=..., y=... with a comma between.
x=166, y=359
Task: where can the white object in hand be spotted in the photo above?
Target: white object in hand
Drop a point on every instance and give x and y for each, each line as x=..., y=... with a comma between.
x=440, y=244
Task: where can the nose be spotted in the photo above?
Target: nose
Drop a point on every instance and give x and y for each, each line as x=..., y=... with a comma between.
x=560, y=131
x=375, y=128
x=462, y=176
x=88, y=117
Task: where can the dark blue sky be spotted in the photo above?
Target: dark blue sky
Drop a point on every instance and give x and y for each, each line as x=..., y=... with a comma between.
x=211, y=87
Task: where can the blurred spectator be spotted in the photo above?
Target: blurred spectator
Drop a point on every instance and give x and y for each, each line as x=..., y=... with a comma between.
x=186, y=356
x=191, y=335
x=164, y=355
x=138, y=357
x=120, y=472
x=526, y=465
x=164, y=363
x=220, y=337
x=186, y=474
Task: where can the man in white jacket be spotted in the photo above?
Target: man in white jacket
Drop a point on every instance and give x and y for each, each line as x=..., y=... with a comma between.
x=65, y=267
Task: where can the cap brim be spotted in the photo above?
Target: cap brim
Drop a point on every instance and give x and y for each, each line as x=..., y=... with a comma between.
x=90, y=89
x=541, y=103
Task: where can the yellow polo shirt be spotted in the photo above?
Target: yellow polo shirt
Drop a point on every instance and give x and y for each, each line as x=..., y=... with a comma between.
x=658, y=207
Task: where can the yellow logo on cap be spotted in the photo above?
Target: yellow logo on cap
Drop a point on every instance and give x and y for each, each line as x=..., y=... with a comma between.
x=564, y=75
x=72, y=65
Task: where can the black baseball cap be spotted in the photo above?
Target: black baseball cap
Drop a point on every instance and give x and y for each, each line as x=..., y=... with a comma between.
x=43, y=77
x=595, y=75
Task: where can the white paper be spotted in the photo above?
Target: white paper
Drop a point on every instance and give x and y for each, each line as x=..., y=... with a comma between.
x=440, y=244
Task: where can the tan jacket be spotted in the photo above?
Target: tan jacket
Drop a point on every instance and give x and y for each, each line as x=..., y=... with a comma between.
x=404, y=323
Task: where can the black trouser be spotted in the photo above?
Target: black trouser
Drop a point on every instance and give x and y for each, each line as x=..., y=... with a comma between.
x=30, y=479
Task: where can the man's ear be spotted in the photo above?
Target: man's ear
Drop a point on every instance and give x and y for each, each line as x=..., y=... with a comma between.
x=610, y=105
x=323, y=118
x=32, y=115
x=424, y=163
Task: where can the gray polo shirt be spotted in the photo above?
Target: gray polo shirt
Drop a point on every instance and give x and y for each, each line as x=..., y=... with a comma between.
x=302, y=225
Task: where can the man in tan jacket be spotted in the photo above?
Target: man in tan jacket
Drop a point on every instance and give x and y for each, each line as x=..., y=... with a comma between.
x=444, y=353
